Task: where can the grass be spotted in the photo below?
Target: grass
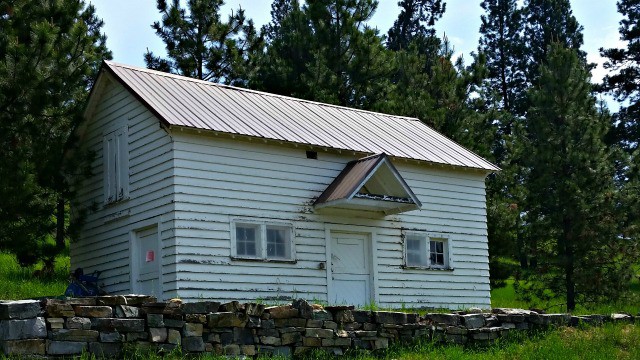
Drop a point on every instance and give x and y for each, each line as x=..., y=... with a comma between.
x=607, y=342
x=506, y=297
x=611, y=341
x=20, y=283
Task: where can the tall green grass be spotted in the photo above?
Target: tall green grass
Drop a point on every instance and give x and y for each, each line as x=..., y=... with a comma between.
x=607, y=342
x=20, y=283
x=506, y=297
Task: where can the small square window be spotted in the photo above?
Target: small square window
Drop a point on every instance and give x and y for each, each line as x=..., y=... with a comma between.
x=246, y=240
x=436, y=253
x=425, y=251
x=262, y=241
x=278, y=244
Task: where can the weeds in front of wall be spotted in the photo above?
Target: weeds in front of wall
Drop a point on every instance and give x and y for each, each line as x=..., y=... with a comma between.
x=371, y=306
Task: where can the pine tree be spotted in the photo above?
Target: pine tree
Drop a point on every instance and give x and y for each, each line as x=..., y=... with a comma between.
x=425, y=81
x=284, y=65
x=50, y=52
x=280, y=12
x=501, y=41
x=572, y=196
x=505, y=93
x=199, y=44
x=624, y=82
x=324, y=51
x=546, y=22
x=515, y=41
x=415, y=25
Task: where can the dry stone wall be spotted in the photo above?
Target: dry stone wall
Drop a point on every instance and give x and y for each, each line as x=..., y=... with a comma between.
x=106, y=326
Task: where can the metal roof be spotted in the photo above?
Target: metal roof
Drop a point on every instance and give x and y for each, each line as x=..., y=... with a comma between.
x=354, y=177
x=186, y=102
x=350, y=179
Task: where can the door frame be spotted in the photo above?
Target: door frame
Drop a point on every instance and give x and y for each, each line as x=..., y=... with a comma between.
x=133, y=258
x=371, y=235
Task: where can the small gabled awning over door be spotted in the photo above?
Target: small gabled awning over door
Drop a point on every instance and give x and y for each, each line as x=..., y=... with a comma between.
x=371, y=183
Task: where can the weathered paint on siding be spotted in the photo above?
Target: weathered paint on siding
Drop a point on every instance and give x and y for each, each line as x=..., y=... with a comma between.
x=218, y=179
x=194, y=185
x=104, y=241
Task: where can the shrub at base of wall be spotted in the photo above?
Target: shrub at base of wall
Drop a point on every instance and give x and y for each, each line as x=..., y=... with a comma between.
x=106, y=325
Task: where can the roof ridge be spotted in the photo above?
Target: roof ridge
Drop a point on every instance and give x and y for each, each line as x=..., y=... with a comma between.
x=237, y=88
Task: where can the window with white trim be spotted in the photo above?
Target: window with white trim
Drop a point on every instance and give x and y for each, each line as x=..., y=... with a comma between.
x=116, y=166
x=424, y=250
x=262, y=241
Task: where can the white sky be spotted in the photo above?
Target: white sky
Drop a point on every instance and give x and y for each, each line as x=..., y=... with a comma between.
x=128, y=25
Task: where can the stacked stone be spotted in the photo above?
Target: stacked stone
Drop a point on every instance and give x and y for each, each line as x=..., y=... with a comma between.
x=99, y=325
x=249, y=329
x=462, y=327
x=22, y=328
x=104, y=325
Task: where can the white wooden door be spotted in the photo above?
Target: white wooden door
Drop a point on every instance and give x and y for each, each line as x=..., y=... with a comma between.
x=350, y=269
x=147, y=260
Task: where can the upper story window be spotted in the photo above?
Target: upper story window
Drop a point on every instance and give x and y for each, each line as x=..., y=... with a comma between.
x=116, y=165
x=424, y=250
x=262, y=241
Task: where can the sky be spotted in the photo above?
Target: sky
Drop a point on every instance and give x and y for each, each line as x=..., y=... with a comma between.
x=129, y=33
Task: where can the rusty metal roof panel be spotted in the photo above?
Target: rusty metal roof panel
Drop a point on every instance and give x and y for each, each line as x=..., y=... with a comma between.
x=181, y=101
x=350, y=179
x=355, y=188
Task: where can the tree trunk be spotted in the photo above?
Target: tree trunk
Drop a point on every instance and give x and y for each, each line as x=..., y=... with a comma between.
x=569, y=265
x=522, y=252
x=60, y=224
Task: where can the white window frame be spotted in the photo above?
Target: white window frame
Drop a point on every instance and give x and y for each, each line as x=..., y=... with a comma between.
x=426, y=238
x=115, y=147
x=261, y=241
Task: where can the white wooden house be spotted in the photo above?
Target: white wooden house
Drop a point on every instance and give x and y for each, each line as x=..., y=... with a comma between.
x=201, y=190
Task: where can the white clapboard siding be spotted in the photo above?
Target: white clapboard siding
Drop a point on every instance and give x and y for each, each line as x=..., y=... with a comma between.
x=218, y=180
x=104, y=240
x=194, y=185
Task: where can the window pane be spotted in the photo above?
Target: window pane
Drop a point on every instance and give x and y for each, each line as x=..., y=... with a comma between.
x=277, y=243
x=437, y=253
x=246, y=240
x=121, y=171
x=416, y=251
x=413, y=244
x=112, y=167
x=413, y=259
